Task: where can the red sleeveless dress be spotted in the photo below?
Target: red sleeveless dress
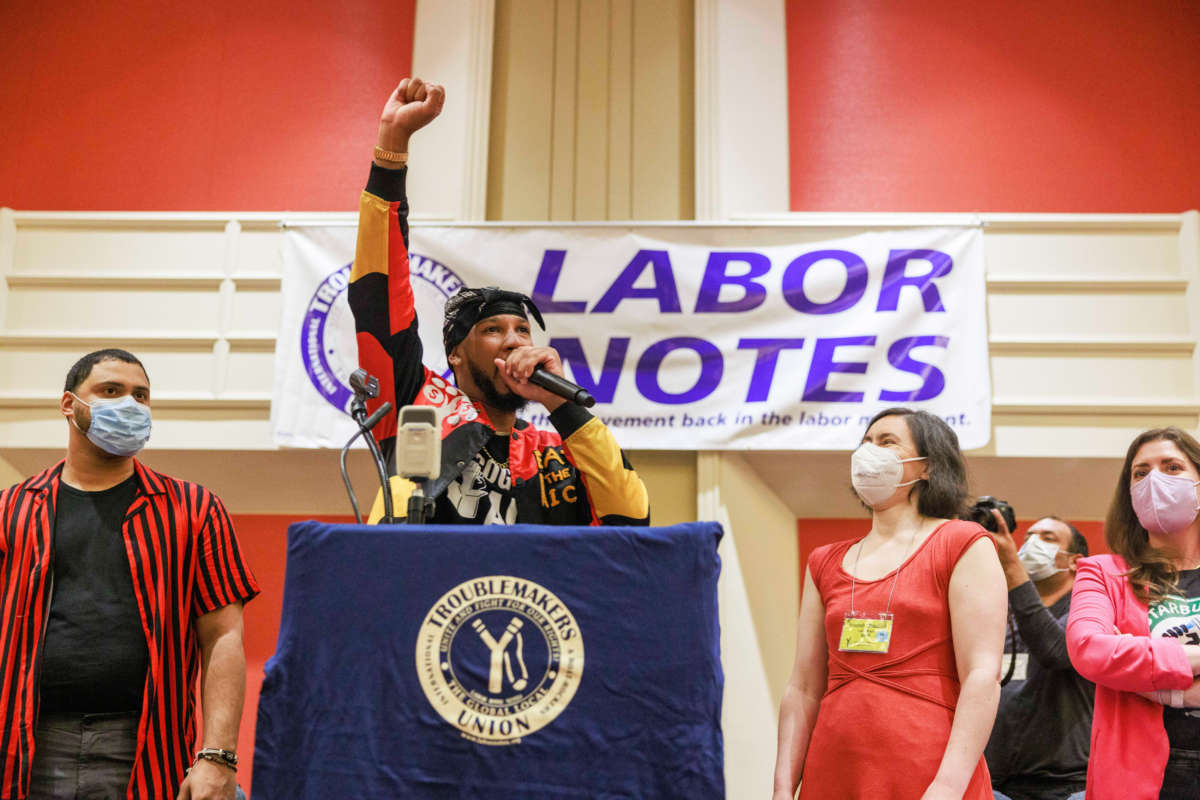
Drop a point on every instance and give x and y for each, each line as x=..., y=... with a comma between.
x=885, y=718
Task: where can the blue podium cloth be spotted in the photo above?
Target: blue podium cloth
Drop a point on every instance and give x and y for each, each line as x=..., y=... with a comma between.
x=374, y=616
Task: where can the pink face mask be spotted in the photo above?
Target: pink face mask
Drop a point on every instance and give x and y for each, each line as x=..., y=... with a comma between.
x=1164, y=503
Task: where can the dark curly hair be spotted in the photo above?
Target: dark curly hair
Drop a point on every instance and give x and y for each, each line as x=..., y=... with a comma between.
x=81, y=369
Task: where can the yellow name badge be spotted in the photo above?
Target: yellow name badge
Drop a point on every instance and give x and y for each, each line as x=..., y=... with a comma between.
x=866, y=634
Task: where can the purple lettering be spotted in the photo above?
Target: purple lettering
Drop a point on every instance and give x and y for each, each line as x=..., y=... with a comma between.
x=570, y=350
x=793, y=282
x=816, y=387
x=764, y=364
x=894, y=278
x=712, y=366
x=547, y=281
x=716, y=275
x=663, y=290
x=932, y=379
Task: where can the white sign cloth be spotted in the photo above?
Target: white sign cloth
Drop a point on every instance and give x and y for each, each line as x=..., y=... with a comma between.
x=690, y=337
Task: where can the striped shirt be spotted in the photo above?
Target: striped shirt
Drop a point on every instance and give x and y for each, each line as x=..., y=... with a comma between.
x=185, y=561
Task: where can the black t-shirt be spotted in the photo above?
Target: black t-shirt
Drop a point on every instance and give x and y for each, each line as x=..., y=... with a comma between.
x=95, y=655
x=483, y=493
x=1178, y=616
x=1044, y=722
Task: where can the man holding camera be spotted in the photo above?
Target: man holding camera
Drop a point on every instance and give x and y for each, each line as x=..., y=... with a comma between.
x=1039, y=745
x=496, y=469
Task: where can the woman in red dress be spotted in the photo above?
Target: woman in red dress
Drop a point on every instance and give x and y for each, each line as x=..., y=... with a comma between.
x=896, y=678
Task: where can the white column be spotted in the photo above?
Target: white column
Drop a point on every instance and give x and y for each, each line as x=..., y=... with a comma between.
x=453, y=46
x=1189, y=268
x=747, y=711
x=8, y=247
x=741, y=109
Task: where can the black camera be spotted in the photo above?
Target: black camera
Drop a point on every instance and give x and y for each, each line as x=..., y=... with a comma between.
x=981, y=512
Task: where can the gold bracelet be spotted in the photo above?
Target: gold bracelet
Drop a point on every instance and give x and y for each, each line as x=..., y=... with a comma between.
x=389, y=156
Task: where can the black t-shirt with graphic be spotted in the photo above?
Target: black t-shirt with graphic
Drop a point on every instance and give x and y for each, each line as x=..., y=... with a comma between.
x=1178, y=617
x=483, y=494
x=95, y=655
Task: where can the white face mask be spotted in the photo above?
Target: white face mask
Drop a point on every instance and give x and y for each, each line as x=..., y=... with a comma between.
x=875, y=472
x=1037, y=557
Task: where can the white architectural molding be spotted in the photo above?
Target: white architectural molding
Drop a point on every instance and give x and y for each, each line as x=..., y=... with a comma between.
x=114, y=280
x=8, y=247
x=708, y=489
x=747, y=711
x=213, y=220
x=707, y=111
x=479, y=64
x=1189, y=269
x=180, y=340
x=1090, y=406
x=176, y=400
x=453, y=47
x=741, y=109
x=1082, y=222
x=220, y=366
x=266, y=220
x=995, y=221
x=1120, y=284
x=1124, y=345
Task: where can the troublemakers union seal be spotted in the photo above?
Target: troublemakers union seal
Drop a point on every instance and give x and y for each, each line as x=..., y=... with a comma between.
x=499, y=657
x=327, y=342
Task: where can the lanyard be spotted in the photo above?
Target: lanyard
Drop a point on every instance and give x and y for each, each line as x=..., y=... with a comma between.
x=895, y=579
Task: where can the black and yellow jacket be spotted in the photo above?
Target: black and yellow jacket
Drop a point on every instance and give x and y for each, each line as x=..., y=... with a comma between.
x=575, y=476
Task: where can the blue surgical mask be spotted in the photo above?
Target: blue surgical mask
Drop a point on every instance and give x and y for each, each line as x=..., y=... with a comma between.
x=120, y=427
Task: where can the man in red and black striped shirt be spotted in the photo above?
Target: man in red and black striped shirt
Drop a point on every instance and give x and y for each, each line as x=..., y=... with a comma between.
x=119, y=586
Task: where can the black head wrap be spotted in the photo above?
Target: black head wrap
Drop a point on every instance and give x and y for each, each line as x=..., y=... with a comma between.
x=469, y=306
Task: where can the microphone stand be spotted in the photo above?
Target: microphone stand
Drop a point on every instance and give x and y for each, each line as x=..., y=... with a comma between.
x=346, y=478
x=419, y=505
x=358, y=411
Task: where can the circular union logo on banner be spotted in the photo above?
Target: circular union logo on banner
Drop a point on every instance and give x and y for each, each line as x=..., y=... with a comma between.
x=327, y=343
x=499, y=657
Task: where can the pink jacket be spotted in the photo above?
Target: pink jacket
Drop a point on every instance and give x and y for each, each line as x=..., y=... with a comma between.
x=1129, y=744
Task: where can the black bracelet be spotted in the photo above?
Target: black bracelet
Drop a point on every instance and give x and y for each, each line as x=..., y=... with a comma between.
x=226, y=758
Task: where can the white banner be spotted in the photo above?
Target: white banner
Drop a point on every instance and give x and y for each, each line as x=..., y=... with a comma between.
x=690, y=337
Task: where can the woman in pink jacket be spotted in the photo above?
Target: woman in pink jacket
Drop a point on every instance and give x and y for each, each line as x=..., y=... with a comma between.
x=1134, y=627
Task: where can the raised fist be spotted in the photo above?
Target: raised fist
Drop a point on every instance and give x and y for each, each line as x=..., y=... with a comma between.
x=412, y=106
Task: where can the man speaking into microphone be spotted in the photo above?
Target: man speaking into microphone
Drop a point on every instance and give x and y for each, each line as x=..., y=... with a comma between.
x=496, y=469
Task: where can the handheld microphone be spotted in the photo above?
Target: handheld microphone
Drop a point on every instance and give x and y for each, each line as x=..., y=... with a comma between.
x=562, y=387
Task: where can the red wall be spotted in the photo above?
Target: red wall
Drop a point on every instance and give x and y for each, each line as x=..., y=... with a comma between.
x=220, y=105
x=994, y=105
x=264, y=544
x=139, y=105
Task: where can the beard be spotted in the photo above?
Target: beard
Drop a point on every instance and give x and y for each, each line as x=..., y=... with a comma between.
x=491, y=395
